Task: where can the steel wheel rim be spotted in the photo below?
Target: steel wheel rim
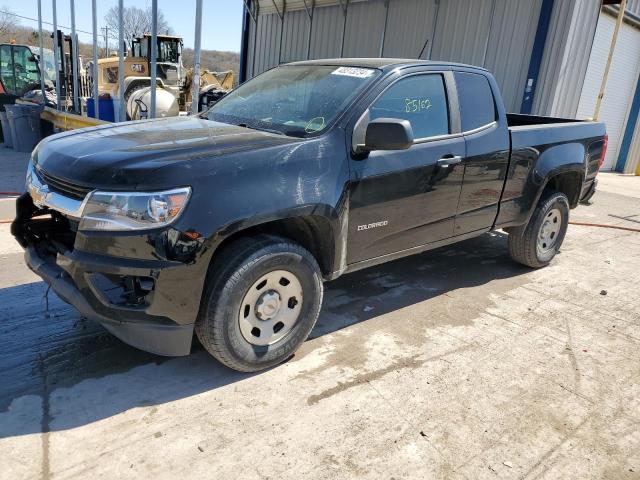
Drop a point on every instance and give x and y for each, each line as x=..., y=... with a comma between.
x=549, y=231
x=270, y=308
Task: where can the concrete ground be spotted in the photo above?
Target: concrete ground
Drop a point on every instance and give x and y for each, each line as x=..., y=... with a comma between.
x=456, y=363
x=13, y=167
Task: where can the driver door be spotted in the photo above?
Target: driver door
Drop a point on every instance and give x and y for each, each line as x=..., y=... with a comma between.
x=404, y=199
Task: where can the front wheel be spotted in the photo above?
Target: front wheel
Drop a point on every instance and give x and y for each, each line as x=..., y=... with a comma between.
x=261, y=300
x=536, y=244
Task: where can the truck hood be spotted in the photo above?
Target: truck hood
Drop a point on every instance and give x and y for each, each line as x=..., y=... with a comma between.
x=145, y=154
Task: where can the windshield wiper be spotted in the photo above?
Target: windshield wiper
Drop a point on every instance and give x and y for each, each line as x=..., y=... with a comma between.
x=263, y=129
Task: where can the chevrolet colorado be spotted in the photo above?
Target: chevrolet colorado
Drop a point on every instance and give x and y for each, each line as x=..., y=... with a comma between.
x=227, y=223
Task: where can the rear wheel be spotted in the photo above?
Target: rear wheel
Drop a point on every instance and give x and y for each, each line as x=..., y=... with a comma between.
x=536, y=244
x=262, y=298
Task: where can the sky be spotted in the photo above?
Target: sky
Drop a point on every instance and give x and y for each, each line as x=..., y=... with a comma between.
x=221, y=19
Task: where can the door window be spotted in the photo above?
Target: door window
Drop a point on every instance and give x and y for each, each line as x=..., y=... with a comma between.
x=420, y=99
x=477, y=107
x=6, y=69
x=25, y=67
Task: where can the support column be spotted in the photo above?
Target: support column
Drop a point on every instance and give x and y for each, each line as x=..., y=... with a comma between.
x=94, y=20
x=74, y=58
x=154, y=56
x=41, y=62
x=55, y=54
x=123, y=106
x=195, y=84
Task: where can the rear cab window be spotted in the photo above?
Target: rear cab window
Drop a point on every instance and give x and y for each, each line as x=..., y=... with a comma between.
x=477, y=105
x=421, y=99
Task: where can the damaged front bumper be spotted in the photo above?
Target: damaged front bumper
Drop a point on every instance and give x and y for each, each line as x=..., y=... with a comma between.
x=149, y=303
x=153, y=334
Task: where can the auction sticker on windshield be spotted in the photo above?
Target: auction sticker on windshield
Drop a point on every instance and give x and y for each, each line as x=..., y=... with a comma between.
x=353, y=72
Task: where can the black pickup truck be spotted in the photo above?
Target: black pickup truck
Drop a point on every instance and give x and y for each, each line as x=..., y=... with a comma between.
x=228, y=223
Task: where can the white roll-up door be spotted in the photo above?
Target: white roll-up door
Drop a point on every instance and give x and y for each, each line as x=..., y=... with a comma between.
x=621, y=83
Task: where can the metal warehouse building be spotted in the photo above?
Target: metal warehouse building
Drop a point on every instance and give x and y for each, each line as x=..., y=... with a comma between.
x=548, y=56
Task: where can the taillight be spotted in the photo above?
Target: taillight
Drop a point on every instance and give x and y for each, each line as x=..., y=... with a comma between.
x=1, y=88
x=604, y=150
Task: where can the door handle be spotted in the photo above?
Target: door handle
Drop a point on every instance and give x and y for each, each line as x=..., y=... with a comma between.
x=449, y=160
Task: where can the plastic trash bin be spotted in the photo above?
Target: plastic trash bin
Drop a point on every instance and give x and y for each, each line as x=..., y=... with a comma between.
x=105, y=109
x=24, y=122
x=6, y=130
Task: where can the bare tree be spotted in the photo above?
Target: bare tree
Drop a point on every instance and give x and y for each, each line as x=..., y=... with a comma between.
x=136, y=22
x=8, y=22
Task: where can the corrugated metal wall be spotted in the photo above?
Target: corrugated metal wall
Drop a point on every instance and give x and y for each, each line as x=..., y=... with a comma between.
x=410, y=29
x=365, y=24
x=509, y=49
x=633, y=159
x=326, y=35
x=633, y=6
x=497, y=34
x=566, y=55
x=265, y=44
x=462, y=31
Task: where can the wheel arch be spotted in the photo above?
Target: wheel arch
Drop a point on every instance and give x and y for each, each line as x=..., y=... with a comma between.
x=566, y=179
x=315, y=232
x=568, y=182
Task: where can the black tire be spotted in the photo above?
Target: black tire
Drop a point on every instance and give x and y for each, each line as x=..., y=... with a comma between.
x=232, y=273
x=523, y=242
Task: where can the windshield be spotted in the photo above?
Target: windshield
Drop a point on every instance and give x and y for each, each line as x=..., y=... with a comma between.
x=168, y=50
x=297, y=100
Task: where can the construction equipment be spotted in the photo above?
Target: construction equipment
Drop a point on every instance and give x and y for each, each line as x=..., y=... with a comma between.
x=172, y=79
x=20, y=73
x=213, y=86
x=19, y=69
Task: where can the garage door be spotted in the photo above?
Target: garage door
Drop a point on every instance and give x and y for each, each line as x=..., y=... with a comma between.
x=621, y=84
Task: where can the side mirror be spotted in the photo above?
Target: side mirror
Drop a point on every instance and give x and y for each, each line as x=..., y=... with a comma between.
x=388, y=134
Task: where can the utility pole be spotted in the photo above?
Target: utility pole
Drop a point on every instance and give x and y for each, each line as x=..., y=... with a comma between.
x=106, y=40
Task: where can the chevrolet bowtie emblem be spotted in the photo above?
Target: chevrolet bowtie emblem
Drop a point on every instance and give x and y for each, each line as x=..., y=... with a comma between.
x=40, y=194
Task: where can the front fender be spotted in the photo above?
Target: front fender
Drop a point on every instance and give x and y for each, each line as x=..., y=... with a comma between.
x=327, y=224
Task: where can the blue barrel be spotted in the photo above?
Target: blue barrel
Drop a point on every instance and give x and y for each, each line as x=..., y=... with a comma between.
x=105, y=109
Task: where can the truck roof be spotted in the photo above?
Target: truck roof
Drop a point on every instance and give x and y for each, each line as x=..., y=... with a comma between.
x=381, y=63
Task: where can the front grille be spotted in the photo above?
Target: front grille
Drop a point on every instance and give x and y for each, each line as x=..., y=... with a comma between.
x=63, y=187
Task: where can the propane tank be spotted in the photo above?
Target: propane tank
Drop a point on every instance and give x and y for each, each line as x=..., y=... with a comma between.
x=139, y=104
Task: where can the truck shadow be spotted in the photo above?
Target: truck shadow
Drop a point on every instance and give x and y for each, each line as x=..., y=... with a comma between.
x=61, y=371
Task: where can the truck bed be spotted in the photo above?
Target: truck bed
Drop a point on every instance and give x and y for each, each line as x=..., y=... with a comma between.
x=522, y=120
x=540, y=146
x=538, y=131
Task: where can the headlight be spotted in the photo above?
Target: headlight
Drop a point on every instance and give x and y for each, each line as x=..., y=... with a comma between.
x=133, y=210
